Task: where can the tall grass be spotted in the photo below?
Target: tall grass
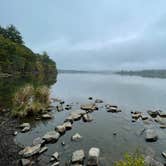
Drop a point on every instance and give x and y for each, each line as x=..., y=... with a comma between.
x=29, y=100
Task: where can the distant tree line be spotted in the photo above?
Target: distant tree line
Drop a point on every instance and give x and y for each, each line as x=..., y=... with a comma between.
x=15, y=57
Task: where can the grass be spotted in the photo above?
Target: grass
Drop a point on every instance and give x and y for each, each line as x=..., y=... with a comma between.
x=135, y=159
x=30, y=101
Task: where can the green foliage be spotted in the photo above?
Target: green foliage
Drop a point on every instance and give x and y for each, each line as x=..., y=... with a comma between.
x=135, y=159
x=30, y=101
x=17, y=58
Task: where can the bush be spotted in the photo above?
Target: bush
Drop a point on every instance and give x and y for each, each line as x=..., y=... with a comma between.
x=135, y=159
x=30, y=101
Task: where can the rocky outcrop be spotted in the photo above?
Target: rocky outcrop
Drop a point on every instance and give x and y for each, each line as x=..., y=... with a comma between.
x=151, y=135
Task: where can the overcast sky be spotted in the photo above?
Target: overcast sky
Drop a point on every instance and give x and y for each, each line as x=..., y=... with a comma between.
x=92, y=34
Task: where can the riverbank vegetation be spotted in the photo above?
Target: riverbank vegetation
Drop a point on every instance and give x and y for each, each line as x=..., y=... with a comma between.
x=30, y=100
x=135, y=159
x=17, y=58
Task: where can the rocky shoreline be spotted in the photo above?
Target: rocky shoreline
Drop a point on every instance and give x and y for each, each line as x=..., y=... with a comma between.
x=9, y=149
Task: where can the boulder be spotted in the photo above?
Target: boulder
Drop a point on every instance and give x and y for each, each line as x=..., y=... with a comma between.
x=144, y=117
x=78, y=156
x=67, y=125
x=25, y=162
x=30, y=150
x=87, y=118
x=151, y=135
x=68, y=107
x=93, y=157
x=79, y=112
x=43, y=149
x=89, y=107
x=112, y=108
x=46, y=116
x=24, y=125
x=61, y=129
x=162, y=114
x=76, y=137
x=55, y=156
x=51, y=136
x=153, y=114
x=150, y=161
x=98, y=101
x=25, y=129
x=161, y=121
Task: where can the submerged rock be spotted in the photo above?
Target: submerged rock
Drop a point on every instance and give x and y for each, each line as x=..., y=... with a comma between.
x=76, y=137
x=151, y=135
x=78, y=156
x=162, y=114
x=43, y=149
x=98, y=101
x=25, y=162
x=38, y=140
x=51, y=136
x=149, y=161
x=93, y=157
x=160, y=120
x=30, y=150
x=87, y=118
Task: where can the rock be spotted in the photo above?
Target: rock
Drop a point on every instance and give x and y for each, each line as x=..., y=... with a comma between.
x=56, y=163
x=162, y=126
x=149, y=161
x=59, y=108
x=46, y=116
x=93, y=157
x=161, y=114
x=25, y=162
x=62, y=102
x=55, y=156
x=51, y=136
x=30, y=151
x=153, y=114
x=67, y=125
x=43, y=149
x=136, y=116
x=15, y=133
x=25, y=127
x=61, y=129
x=79, y=112
x=144, y=117
x=89, y=107
x=63, y=143
x=160, y=120
x=98, y=101
x=76, y=137
x=75, y=117
x=112, y=108
x=87, y=118
x=38, y=140
x=90, y=98
x=78, y=156
x=68, y=107
x=151, y=135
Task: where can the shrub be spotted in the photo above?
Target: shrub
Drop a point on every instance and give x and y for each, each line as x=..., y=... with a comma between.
x=135, y=159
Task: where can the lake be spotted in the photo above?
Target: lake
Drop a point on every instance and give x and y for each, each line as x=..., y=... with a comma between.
x=130, y=93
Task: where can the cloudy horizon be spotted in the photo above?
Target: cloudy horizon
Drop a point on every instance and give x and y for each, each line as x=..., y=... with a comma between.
x=92, y=35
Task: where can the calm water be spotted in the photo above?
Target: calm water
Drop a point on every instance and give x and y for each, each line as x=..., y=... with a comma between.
x=129, y=93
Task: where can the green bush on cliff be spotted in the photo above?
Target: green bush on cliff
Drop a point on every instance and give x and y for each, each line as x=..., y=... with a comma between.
x=135, y=159
x=30, y=101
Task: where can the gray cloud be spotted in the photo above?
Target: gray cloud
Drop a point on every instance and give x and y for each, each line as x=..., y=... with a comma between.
x=107, y=34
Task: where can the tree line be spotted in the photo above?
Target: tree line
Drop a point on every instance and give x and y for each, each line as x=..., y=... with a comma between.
x=16, y=58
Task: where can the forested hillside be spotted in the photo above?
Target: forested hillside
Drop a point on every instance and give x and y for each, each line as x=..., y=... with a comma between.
x=16, y=58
